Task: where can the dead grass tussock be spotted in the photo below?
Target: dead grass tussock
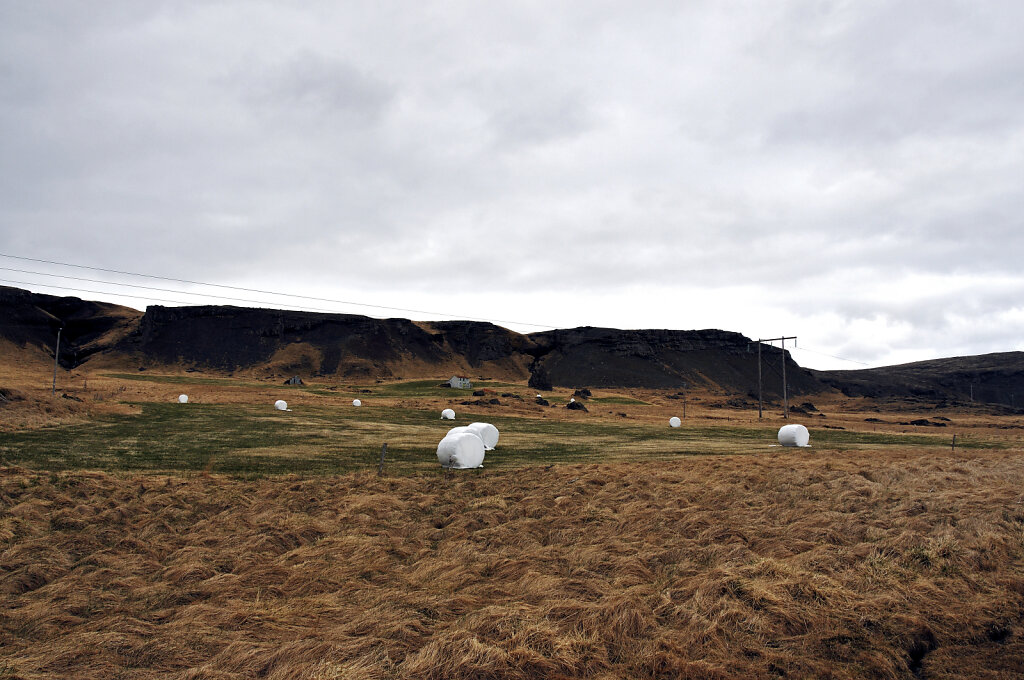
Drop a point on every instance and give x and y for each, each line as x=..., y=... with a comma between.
x=859, y=566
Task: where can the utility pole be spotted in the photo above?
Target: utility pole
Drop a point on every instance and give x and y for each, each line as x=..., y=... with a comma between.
x=56, y=353
x=785, y=389
x=760, y=402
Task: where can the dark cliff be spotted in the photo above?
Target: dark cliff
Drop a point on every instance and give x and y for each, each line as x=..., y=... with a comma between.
x=233, y=338
x=664, y=359
x=31, y=320
x=986, y=378
x=270, y=341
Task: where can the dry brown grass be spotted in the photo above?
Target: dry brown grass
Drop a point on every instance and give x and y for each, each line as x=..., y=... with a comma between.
x=783, y=565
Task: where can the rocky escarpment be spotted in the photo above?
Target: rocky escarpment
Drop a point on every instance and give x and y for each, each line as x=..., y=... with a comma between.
x=233, y=338
x=268, y=341
x=608, y=357
x=30, y=321
x=996, y=378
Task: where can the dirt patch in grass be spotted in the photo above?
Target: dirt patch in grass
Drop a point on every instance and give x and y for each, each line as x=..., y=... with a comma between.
x=889, y=563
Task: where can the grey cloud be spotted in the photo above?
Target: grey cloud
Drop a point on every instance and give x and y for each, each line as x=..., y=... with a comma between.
x=308, y=81
x=785, y=147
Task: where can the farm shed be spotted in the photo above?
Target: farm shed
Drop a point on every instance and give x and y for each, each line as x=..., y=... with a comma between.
x=460, y=382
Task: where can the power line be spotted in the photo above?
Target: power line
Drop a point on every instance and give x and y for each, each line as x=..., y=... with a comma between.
x=147, y=297
x=269, y=292
x=832, y=356
x=164, y=290
x=99, y=292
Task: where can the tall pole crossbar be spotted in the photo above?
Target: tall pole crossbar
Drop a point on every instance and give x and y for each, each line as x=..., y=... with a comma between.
x=785, y=388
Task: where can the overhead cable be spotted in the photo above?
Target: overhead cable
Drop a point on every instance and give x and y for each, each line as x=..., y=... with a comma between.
x=270, y=292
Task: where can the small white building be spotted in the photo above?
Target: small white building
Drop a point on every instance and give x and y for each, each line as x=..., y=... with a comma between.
x=460, y=382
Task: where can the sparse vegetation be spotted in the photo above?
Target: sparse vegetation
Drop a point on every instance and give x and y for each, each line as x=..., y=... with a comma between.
x=776, y=565
x=222, y=539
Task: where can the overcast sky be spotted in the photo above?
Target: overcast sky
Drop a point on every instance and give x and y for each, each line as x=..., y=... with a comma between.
x=848, y=172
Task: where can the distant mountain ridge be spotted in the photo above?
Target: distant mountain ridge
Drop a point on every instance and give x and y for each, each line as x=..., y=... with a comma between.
x=271, y=342
x=353, y=347
x=996, y=378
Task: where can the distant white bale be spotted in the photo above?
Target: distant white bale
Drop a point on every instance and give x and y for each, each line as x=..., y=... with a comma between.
x=281, y=405
x=488, y=434
x=674, y=422
x=572, y=399
x=182, y=398
x=448, y=414
x=794, y=435
x=356, y=402
x=461, y=450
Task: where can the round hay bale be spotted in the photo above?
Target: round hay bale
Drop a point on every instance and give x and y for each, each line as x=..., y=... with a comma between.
x=488, y=434
x=461, y=451
x=281, y=405
x=674, y=421
x=448, y=414
x=182, y=398
x=794, y=435
x=356, y=402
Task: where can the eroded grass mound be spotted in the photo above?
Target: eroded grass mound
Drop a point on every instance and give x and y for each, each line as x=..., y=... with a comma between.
x=774, y=566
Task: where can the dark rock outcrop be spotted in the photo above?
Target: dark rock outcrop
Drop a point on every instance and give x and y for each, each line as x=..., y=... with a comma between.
x=539, y=379
x=983, y=379
x=663, y=359
x=31, y=320
x=229, y=339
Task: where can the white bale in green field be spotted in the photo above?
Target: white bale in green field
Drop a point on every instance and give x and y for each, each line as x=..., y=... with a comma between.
x=281, y=405
x=356, y=402
x=448, y=414
x=488, y=434
x=794, y=435
x=674, y=421
x=182, y=398
x=461, y=451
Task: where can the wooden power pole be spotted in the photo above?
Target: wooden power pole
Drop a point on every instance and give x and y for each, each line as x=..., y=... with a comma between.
x=785, y=388
x=56, y=353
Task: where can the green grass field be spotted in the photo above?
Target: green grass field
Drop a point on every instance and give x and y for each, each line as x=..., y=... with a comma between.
x=250, y=440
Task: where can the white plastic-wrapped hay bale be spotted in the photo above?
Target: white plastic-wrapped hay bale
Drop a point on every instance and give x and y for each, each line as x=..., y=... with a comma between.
x=182, y=398
x=488, y=434
x=674, y=421
x=794, y=435
x=281, y=405
x=461, y=451
x=356, y=402
x=448, y=414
